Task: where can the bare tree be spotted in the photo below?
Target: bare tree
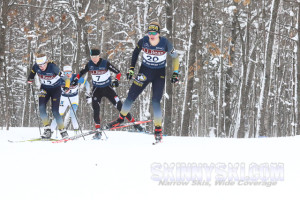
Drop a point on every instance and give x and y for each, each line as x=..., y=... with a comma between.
x=192, y=65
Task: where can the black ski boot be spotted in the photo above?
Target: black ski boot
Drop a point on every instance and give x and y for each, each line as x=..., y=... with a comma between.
x=158, y=134
x=117, y=122
x=47, y=133
x=98, y=135
x=138, y=128
x=64, y=134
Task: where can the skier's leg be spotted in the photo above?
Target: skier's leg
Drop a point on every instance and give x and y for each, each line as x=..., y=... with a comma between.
x=55, y=100
x=53, y=125
x=62, y=108
x=96, y=100
x=158, y=85
x=137, y=87
x=43, y=99
x=73, y=117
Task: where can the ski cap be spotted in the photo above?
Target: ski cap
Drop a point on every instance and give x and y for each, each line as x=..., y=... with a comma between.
x=41, y=60
x=67, y=68
x=95, y=52
x=154, y=26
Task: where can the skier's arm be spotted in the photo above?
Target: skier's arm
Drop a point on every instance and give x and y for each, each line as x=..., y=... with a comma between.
x=31, y=75
x=175, y=58
x=136, y=52
x=83, y=71
x=64, y=77
x=114, y=70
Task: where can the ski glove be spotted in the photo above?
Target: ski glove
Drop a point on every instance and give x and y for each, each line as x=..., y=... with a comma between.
x=75, y=81
x=30, y=81
x=130, y=73
x=66, y=89
x=115, y=83
x=174, y=78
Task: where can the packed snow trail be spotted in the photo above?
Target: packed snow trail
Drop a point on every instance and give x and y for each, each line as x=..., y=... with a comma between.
x=126, y=166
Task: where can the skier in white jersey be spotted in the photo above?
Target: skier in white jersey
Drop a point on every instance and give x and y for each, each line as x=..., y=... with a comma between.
x=71, y=96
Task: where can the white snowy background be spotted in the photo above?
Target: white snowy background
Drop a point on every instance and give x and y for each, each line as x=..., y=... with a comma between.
x=120, y=167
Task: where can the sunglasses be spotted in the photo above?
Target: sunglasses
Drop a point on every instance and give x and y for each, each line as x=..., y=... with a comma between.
x=42, y=65
x=152, y=33
x=68, y=72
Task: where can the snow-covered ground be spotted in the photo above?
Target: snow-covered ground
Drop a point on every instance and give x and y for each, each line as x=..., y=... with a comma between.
x=128, y=166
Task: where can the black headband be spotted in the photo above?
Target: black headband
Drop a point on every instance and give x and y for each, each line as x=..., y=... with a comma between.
x=95, y=52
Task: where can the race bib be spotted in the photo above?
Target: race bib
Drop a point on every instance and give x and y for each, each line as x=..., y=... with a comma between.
x=49, y=80
x=99, y=78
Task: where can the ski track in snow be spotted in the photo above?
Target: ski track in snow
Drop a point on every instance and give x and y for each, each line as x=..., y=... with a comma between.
x=120, y=167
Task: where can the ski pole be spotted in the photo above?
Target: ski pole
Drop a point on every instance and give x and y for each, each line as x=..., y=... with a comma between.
x=36, y=108
x=76, y=117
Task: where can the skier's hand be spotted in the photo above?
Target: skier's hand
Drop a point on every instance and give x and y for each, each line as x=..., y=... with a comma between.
x=75, y=81
x=88, y=99
x=130, y=73
x=66, y=89
x=30, y=81
x=115, y=83
x=174, y=78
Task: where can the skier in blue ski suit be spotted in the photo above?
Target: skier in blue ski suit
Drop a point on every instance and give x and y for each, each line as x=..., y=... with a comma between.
x=51, y=81
x=155, y=49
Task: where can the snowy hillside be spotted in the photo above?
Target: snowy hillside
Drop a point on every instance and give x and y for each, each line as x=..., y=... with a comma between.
x=128, y=166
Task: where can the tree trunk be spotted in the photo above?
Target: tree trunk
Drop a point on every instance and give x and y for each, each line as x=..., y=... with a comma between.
x=264, y=125
x=168, y=122
x=26, y=116
x=229, y=74
x=192, y=66
x=298, y=73
x=3, y=28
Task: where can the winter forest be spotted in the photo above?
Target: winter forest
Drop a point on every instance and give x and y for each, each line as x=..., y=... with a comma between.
x=239, y=71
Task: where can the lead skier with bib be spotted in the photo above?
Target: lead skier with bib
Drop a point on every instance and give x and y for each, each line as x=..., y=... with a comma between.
x=155, y=49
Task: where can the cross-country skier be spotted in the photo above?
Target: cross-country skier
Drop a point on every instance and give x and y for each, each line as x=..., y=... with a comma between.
x=102, y=86
x=155, y=49
x=73, y=97
x=51, y=80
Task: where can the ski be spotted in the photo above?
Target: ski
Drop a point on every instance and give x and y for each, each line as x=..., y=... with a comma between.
x=128, y=124
x=75, y=137
x=32, y=140
x=105, y=129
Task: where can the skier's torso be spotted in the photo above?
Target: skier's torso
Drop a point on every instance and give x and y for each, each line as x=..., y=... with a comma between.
x=50, y=77
x=73, y=88
x=100, y=74
x=154, y=56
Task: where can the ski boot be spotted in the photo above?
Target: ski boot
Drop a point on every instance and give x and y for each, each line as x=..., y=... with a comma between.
x=47, y=133
x=158, y=134
x=64, y=134
x=98, y=134
x=138, y=128
x=117, y=122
